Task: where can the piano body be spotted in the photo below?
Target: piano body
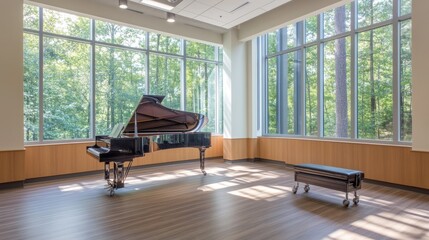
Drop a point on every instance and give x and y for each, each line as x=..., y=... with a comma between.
x=152, y=127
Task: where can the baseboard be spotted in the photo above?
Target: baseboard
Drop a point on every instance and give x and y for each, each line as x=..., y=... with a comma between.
x=9, y=185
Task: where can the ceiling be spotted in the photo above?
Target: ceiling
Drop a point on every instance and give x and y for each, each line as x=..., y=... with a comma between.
x=223, y=14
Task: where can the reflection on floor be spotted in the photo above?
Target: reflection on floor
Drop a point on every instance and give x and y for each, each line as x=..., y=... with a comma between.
x=234, y=201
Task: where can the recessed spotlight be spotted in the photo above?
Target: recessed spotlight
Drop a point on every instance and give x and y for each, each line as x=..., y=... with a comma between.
x=123, y=4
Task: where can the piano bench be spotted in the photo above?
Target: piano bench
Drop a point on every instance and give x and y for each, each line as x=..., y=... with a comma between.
x=340, y=179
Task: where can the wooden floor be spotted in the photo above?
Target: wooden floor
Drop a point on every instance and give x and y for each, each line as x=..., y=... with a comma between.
x=234, y=201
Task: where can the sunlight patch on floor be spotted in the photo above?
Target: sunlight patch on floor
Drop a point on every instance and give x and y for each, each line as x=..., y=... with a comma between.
x=391, y=226
x=217, y=186
x=344, y=234
x=260, y=193
x=71, y=187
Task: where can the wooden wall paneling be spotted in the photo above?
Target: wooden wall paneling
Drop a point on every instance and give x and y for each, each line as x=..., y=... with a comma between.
x=393, y=164
x=52, y=160
x=12, y=166
x=235, y=149
x=58, y=159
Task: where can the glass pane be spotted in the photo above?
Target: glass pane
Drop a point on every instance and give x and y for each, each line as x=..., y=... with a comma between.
x=201, y=91
x=336, y=88
x=405, y=79
x=31, y=87
x=374, y=11
x=272, y=96
x=311, y=29
x=336, y=21
x=120, y=80
x=121, y=35
x=200, y=50
x=220, y=100
x=66, y=24
x=164, y=79
x=161, y=43
x=375, y=70
x=311, y=110
x=405, y=7
x=31, y=17
x=291, y=38
x=292, y=77
x=272, y=42
x=66, y=91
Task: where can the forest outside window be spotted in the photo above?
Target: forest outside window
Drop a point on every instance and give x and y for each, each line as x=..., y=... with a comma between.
x=356, y=78
x=83, y=76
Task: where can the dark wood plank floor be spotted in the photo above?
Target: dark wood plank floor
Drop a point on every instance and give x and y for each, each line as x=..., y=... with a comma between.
x=234, y=201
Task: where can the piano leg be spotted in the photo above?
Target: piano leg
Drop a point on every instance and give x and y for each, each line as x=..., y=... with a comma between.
x=106, y=170
x=202, y=158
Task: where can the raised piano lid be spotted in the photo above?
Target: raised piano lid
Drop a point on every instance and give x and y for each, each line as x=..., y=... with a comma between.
x=154, y=118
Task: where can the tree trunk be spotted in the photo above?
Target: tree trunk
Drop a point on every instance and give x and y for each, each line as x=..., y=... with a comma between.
x=341, y=74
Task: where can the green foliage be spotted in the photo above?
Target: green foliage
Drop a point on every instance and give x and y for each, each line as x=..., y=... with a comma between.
x=375, y=87
x=374, y=11
x=31, y=17
x=405, y=79
x=119, y=64
x=120, y=35
x=66, y=92
x=374, y=82
x=311, y=29
x=164, y=79
x=31, y=87
x=66, y=24
x=311, y=111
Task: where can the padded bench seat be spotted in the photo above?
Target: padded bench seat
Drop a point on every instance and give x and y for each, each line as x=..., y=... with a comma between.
x=340, y=179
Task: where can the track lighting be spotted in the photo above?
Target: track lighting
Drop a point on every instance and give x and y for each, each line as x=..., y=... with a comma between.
x=123, y=4
x=171, y=17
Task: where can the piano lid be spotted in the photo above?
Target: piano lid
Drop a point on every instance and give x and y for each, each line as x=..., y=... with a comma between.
x=153, y=118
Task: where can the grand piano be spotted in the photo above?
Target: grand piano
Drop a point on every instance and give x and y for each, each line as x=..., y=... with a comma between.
x=152, y=127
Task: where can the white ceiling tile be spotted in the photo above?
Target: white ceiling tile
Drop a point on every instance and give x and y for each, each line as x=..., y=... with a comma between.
x=218, y=15
x=197, y=8
x=187, y=14
x=208, y=20
x=244, y=18
x=182, y=5
x=274, y=4
x=210, y=2
x=231, y=5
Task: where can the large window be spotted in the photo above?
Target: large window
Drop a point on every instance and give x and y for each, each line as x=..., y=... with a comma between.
x=82, y=76
x=356, y=79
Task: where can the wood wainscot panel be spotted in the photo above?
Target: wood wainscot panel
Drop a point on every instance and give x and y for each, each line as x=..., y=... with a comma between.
x=58, y=159
x=12, y=166
x=235, y=149
x=386, y=163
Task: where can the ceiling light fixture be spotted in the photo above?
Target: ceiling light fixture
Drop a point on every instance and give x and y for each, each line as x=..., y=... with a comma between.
x=171, y=17
x=156, y=4
x=123, y=4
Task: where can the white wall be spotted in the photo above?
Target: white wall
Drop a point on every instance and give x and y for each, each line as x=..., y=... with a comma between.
x=11, y=74
x=420, y=75
x=234, y=86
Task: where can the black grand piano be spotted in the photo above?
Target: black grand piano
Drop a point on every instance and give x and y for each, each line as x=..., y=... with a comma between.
x=151, y=127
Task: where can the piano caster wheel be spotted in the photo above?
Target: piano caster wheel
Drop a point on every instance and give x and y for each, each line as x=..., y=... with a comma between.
x=346, y=203
x=204, y=172
x=295, y=189
x=356, y=200
x=307, y=188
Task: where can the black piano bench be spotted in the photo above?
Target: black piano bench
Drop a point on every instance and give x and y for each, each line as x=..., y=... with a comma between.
x=335, y=178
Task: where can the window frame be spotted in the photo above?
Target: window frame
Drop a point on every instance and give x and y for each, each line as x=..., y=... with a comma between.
x=319, y=42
